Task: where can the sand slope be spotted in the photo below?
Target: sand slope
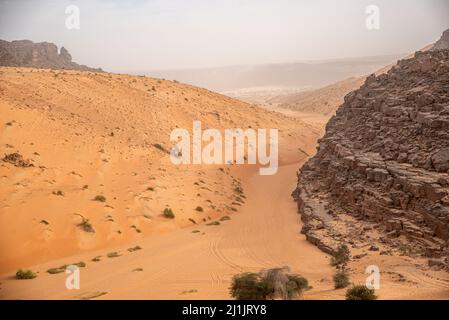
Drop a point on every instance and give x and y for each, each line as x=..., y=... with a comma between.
x=90, y=134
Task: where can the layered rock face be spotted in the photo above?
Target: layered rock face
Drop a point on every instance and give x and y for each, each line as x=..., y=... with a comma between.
x=384, y=160
x=25, y=53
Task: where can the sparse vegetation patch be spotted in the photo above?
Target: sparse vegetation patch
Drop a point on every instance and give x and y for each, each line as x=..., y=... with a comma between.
x=275, y=283
x=360, y=292
x=168, y=213
x=25, y=274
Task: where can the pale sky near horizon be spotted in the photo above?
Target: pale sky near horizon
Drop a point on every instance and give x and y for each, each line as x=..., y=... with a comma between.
x=139, y=35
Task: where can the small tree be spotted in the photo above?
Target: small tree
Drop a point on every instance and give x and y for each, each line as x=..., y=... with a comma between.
x=360, y=292
x=341, y=279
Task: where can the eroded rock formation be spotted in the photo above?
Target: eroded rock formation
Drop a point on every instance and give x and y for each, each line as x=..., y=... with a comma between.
x=443, y=43
x=25, y=53
x=383, y=164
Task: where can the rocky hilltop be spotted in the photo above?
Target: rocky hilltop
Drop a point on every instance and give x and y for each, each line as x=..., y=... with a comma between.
x=443, y=43
x=380, y=177
x=25, y=53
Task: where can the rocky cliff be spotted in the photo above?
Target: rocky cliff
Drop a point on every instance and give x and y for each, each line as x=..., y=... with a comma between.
x=25, y=53
x=381, y=172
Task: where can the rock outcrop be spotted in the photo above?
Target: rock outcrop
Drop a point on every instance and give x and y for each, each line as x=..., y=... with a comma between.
x=25, y=53
x=443, y=43
x=383, y=164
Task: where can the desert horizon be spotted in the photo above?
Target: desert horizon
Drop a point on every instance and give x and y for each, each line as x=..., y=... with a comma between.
x=161, y=151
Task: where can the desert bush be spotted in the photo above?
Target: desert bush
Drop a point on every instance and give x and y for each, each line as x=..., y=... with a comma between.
x=360, y=292
x=61, y=269
x=341, y=279
x=113, y=254
x=341, y=256
x=274, y=283
x=58, y=193
x=134, y=248
x=282, y=285
x=25, y=274
x=168, y=213
x=55, y=270
x=135, y=228
x=100, y=198
x=248, y=286
x=85, y=224
x=199, y=209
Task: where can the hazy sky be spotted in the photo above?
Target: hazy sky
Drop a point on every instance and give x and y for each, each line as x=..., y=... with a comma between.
x=138, y=35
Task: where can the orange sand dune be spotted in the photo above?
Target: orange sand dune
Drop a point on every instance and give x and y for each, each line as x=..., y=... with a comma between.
x=98, y=134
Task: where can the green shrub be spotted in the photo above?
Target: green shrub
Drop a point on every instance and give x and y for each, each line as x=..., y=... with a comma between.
x=113, y=254
x=298, y=284
x=168, y=213
x=248, y=286
x=134, y=248
x=282, y=285
x=55, y=270
x=86, y=225
x=58, y=193
x=100, y=198
x=25, y=274
x=341, y=279
x=341, y=256
x=360, y=292
x=274, y=283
